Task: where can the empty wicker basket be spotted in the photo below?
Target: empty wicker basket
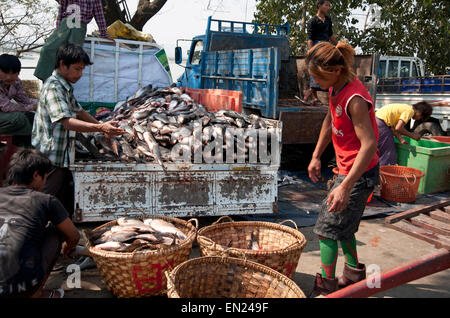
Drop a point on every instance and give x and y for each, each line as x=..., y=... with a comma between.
x=226, y=277
x=280, y=245
x=141, y=273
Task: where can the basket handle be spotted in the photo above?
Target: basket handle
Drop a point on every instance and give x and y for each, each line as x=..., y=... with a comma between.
x=169, y=277
x=208, y=240
x=224, y=217
x=192, y=221
x=295, y=224
x=135, y=209
x=407, y=181
x=226, y=252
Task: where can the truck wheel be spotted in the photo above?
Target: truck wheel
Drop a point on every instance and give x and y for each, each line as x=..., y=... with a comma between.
x=427, y=129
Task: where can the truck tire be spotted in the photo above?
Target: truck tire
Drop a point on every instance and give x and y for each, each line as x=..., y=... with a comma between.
x=429, y=128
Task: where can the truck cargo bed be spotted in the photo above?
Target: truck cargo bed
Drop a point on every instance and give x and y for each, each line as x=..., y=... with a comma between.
x=107, y=191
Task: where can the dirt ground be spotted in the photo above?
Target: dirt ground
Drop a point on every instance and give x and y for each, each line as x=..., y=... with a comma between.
x=377, y=245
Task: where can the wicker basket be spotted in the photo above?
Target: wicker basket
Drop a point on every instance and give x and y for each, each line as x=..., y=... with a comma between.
x=280, y=246
x=399, y=184
x=141, y=273
x=227, y=277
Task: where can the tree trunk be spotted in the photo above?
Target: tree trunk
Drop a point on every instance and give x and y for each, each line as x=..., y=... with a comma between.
x=112, y=13
x=145, y=10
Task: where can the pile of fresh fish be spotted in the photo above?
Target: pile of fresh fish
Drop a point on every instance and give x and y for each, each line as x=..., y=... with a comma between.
x=154, y=121
x=130, y=234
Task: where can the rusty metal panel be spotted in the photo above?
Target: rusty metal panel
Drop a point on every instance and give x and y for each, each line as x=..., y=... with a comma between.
x=106, y=192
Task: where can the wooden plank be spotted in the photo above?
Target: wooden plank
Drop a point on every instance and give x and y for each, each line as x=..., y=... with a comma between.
x=440, y=216
x=414, y=212
x=420, y=233
x=431, y=224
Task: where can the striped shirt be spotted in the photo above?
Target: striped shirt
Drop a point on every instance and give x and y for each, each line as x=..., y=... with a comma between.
x=49, y=135
x=88, y=9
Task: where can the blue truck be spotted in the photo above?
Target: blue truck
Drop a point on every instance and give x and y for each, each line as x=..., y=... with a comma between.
x=255, y=59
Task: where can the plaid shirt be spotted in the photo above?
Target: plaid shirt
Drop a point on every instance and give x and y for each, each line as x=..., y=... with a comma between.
x=49, y=135
x=88, y=10
x=22, y=103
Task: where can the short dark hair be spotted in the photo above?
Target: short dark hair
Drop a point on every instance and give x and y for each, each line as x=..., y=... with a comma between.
x=70, y=53
x=24, y=163
x=425, y=109
x=321, y=2
x=10, y=63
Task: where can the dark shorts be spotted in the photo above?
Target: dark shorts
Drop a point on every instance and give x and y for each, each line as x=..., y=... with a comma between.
x=60, y=184
x=342, y=225
x=50, y=250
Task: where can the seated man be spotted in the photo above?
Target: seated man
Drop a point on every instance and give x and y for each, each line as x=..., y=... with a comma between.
x=29, y=244
x=391, y=121
x=16, y=117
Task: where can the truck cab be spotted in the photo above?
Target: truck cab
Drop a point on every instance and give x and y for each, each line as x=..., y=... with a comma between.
x=224, y=35
x=400, y=66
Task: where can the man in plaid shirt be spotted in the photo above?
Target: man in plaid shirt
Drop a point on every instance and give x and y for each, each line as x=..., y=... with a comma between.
x=59, y=116
x=71, y=26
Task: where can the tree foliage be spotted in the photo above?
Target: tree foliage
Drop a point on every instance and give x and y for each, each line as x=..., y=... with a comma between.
x=24, y=23
x=407, y=27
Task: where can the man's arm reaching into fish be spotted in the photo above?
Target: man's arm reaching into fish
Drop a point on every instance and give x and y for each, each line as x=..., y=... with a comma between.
x=86, y=123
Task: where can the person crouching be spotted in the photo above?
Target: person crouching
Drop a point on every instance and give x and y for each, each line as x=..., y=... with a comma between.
x=34, y=227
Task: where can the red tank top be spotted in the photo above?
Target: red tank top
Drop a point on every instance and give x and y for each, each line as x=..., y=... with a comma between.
x=346, y=143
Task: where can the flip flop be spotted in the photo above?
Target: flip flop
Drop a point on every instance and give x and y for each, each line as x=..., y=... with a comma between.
x=59, y=290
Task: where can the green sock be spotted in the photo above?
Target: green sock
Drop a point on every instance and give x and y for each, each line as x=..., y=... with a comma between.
x=328, y=257
x=349, y=249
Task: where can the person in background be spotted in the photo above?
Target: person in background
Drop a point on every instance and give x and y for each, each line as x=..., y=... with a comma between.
x=16, y=108
x=391, y=121
x=319, y=28
x=59, y=116
x=350, y=124
x=34, y=228
x=71, y=26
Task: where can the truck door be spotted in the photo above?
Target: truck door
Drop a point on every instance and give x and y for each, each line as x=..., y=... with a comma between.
x=193, y=70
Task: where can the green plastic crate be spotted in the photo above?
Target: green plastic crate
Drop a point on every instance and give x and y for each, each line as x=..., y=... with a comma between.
x=430, y=157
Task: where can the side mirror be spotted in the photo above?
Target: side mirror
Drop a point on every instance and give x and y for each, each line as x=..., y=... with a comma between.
x=178, y=55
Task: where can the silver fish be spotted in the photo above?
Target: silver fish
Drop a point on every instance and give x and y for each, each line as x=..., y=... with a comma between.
x=165, y=227
x=122, y=237
x=139, y=129
x=112, y=246
x=128, y=221
x=154, y=148
x=157, y=124
x=253, y=245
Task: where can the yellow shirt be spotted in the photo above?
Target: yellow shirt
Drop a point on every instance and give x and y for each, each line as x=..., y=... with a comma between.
x=392, y=113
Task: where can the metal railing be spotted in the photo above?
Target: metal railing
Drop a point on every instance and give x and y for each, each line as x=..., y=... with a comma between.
x=424, y=84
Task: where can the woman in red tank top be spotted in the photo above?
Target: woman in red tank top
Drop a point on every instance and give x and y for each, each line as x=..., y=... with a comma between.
x=350, y=124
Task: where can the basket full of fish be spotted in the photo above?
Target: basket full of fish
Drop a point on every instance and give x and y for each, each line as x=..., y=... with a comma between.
x=274, y=245
x=132, y=254
x=156, y=120
x=228, y=277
